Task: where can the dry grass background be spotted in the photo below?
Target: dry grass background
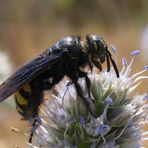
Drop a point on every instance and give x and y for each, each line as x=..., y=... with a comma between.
x=28, y=27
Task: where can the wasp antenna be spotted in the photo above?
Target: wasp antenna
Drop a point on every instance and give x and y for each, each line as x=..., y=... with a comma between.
x=108, y=62
x=113, y=63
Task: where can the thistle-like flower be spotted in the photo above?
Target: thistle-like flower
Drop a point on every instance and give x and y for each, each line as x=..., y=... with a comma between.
x=117, y=118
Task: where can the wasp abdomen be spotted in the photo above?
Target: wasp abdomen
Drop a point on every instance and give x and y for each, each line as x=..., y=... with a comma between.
x=22, y=99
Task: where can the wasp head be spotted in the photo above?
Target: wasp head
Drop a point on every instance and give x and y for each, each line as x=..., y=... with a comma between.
x=98, y=52
x=96, y=48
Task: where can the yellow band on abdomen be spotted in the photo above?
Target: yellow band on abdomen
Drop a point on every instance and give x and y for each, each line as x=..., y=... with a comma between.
x=20, y=99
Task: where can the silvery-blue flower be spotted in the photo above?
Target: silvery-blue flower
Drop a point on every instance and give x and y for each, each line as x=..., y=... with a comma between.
x=118, y=115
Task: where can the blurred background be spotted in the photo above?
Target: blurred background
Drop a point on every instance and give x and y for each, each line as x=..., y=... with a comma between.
x=28, y=27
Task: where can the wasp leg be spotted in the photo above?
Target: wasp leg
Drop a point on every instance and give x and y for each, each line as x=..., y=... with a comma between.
x=67, y=85
x=87, y=80
x=47, y=84
x=36, y=123
x=79, y=91
x=87, y=101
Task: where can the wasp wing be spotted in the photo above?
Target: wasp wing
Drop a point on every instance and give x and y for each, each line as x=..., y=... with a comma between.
x=27, y=72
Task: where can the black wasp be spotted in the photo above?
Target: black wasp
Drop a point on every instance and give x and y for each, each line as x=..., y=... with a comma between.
x=65, y=58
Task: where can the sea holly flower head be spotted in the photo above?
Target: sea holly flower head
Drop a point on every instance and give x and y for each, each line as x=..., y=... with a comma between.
x=117, y=115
